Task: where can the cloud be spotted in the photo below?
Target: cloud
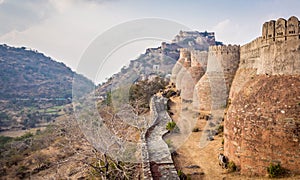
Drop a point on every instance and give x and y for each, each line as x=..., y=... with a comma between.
x=63, y=32
x=19, y=16
x=228, y=32
x=221, y=26
x=16, y=16
x=64, y=5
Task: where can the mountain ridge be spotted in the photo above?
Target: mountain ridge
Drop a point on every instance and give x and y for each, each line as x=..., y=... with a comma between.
x=30, y=74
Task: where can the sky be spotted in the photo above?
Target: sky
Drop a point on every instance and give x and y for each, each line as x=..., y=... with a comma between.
x=65, y=29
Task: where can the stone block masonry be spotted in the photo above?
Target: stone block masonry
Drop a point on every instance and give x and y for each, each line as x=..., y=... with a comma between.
x=213, y=88
x=260, y=81
x=262, y=124
x=157, y=161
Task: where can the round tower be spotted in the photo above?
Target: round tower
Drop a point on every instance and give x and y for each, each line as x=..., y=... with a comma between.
x=213, y=88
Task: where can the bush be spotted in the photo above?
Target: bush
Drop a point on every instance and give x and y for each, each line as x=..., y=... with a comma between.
x=170, y=126
x=23, y=137
x=4, y=140
x=231, y=166
x=220, y=129
x=22, y=171
x=169, y=93
x=275, y=170
x=14, y=159
x=223, y=141
x=169, y=143
x=196, y=129
x=181, y=175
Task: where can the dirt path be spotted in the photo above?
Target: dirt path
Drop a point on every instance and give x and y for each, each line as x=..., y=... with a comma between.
x=190, y=155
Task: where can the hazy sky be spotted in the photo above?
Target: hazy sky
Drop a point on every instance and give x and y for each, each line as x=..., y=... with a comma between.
x=63, y=29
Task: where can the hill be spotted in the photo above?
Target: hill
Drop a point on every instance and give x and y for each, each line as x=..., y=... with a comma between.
x=34, y=88
x=29, y=74
x=159, y=61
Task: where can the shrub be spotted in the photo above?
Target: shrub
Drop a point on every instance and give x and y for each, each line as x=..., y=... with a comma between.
x=169, y=143
x=14, y=159
x=274, y=170
x=181, y=175
x=220, y=129
x=4, y=140
x=231, y=166
x=223, y=141
x=170, y=93
x=23, y=137
x=170, y=126
x=22, y=171
x=196, y=129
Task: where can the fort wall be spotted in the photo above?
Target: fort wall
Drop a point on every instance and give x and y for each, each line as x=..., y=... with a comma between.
x=276, y=52
x=199, y=58
x=190, y=67
x=260, y=79
x=212, y=89
x=183, y=56
x=262, y=124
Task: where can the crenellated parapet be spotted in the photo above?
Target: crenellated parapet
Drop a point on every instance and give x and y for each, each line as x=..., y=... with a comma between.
x=276, y=51
x=212, y=89
x=183, y=62
x=224, y=49
x=250, y=54
x=199, y=58
x=281, y=30
x=184, y=53
x=223, y=58
x=185, y=57
x=262, y=124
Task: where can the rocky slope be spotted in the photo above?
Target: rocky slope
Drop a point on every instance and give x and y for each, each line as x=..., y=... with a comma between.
x=159, y=61
x=29, y=74
x=34, y=88
x=59, y=152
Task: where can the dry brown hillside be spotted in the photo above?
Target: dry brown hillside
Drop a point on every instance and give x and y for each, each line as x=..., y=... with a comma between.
x=59, y=152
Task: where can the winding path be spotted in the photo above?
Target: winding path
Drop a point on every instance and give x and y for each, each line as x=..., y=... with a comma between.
x=157, y=160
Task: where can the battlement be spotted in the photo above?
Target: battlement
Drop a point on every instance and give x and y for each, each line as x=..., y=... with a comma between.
x=196, y=34
x=276, y=51
x=249, y=137
x=281, y=30
x=199, y=58
x=248, y=141
x=224, y=49
x=184, y=53
x=256, y=43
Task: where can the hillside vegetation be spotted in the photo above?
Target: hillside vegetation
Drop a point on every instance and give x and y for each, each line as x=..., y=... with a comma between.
x=28, y=74
x=34, y=88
